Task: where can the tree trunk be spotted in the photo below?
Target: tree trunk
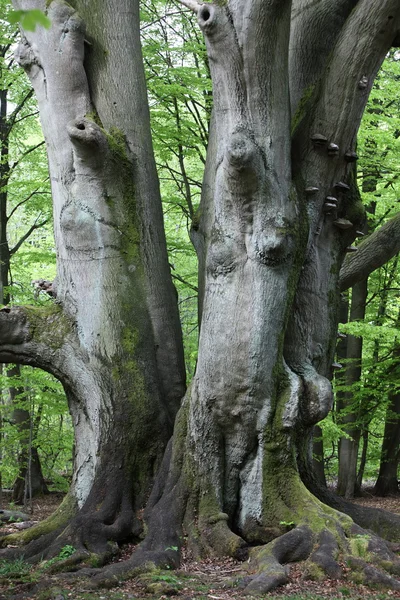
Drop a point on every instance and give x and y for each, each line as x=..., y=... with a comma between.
x=270, y=252
x=112, y=337
x=30, y=481
x=348, y=446
x=363, y=459
x=318, y=455
x=387, y=482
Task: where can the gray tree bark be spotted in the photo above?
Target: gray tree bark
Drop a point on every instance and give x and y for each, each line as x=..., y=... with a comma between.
x=270, y=248
x=112, y=336
x=278, y=212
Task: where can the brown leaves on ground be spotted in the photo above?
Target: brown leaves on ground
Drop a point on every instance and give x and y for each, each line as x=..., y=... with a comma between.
x=210, y=579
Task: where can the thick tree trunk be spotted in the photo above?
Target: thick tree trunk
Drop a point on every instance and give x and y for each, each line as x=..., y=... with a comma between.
x=112, y=337
x=271, y=249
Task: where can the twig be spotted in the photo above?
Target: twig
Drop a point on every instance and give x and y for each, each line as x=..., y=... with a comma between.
x=191, y=4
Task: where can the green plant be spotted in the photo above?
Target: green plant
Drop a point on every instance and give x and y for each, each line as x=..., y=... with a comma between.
x=288, y=524
x=66, y=552
x=166, y=578
x=14, y=569
x=344, y=591
x=359, y=545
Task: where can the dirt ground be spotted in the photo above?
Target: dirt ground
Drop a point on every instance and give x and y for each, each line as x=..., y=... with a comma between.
x=209, y=579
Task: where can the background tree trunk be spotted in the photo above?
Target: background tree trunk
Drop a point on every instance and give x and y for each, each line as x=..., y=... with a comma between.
x=387, y=482
x=348, y=446
x=30, y=481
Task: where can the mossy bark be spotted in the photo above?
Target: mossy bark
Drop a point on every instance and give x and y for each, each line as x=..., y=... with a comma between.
x=114, y=320
x=270, y=253
x=270, y=247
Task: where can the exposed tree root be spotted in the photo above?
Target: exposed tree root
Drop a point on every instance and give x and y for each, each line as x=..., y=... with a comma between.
x=93, y=532
x=382, y=522
x=324, y=553
x=327, y=546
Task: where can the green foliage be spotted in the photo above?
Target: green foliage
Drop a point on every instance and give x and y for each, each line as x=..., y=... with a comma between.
x=179, y=89
x=28, y=19
x=378, y=179
x=359, y=546
x=42, y=398
x=65, y=552
x=15, y=570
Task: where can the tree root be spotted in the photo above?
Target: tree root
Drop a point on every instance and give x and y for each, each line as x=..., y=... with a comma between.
x=91, y=534
x=382, y=522
x=337, y=551
x=324, y=553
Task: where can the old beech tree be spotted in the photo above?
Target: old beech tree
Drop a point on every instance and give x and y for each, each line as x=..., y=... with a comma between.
x=279, y=211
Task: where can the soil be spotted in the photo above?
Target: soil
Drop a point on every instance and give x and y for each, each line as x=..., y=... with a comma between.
x=209, y=579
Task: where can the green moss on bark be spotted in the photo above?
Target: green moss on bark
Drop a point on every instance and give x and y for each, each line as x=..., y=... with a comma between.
x=303, y=106
x=48, y=324
x=58, y=519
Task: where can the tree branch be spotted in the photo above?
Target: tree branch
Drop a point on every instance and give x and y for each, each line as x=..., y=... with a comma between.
x=366, y=37
x=372, y=253
x=39, y=336
x=34, y=193
x=315, y=28
x=17, y=109
x=191, y=4
x=189, y=285
x=25, y=154
x=36, y=225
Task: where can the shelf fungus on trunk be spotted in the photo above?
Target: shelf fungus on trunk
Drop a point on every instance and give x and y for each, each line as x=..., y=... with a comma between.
x=343, y=224
x=333, y=149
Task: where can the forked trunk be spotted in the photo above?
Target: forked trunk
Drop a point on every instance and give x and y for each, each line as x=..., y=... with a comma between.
x=277, y=218
x=279, y=209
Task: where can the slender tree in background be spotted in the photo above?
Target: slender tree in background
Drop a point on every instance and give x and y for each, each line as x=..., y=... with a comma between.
x=387, y=482
x=278, y=213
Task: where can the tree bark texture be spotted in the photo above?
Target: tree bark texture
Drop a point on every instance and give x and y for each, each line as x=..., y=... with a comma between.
x=279, y=209
x=112, y=337
x=387, y=482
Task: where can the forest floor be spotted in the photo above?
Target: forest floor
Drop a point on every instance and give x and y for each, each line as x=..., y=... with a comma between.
x=209, y=579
